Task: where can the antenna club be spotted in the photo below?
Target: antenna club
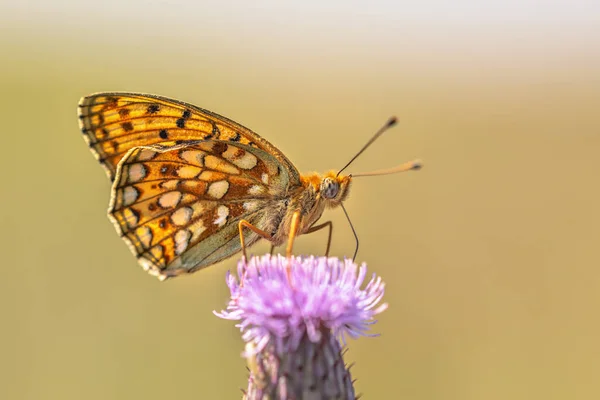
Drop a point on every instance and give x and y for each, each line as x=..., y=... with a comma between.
x=392, y=121
x=417, y=165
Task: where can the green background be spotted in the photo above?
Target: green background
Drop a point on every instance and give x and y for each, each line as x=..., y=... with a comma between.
x=490, y=252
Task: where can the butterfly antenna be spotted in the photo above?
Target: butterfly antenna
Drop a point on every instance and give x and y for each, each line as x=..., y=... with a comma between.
x=408, y=166
x=353, y=231
x=391, y=122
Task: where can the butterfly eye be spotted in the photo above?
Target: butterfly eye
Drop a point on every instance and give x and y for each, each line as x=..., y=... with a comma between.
x=329, y=188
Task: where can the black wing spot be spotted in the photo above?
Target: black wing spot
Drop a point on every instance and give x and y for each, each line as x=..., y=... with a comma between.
x=219, y=147
x=209, y=136
x=186, y=114
x=215, y=132
x=152, y=109
x=151, y=207
x=111, y=102
x=127, y=126
x=236, y=138
x=115, y=145
x=164, y=169
x=124, y=112
x=163, y=134
x=84, y=130
x=181, y=123
x=105, y=132
x=100, y=119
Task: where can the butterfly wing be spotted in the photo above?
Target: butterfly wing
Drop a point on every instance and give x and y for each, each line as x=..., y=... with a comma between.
x=178, y=206
x=114, y=123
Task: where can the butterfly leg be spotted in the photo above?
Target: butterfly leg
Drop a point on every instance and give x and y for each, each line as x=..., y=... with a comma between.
x=272, y=249
x=245, y=224
x=315, y=228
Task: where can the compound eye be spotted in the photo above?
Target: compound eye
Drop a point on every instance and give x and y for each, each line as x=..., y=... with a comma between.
x=329, y=188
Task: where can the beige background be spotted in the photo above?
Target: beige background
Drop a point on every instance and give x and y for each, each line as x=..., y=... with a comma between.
x=490, y=253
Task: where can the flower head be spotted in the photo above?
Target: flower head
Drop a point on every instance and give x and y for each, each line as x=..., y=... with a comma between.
x=321, y=295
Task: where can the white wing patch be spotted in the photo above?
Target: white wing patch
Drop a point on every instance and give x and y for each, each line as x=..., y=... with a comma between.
x=218, y=189
x=222, y=213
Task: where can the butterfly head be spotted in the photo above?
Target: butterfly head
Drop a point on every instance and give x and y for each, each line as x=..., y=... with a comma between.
x=334, y=188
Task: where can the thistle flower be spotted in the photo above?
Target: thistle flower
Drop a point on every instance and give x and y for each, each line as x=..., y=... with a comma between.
x=292, y=325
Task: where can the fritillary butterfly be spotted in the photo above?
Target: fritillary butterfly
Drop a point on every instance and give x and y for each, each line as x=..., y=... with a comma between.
x=185, y=181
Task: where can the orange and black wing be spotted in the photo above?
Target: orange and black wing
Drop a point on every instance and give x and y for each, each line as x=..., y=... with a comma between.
x=178, y=207
x=114, y=123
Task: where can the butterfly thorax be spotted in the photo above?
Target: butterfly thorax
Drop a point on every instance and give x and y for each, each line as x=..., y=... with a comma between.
x=316, y=193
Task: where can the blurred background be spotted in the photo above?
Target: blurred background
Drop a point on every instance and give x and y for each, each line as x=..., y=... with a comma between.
x=490, y=252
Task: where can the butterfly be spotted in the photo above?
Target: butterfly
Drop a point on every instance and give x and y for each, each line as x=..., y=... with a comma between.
x=191, y=188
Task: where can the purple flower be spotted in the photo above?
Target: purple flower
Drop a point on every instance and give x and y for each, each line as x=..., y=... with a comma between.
x=285, y=318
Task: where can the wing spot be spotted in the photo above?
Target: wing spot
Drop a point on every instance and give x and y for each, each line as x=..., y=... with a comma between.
x=215, y=132
x=217, y=164
x=171, y=184
x=218, y=189
x=197, y=228
x=136, y=172
x=255, y=189
x=209, y=176
x=188, y=172
x=180, y=123
x=127, y=126
x=131, y=217
x=151, y=207
x=162, y=224
x=146, y=154
x=240, y=158
x=198, y=208
x=182, y=216
x=219, y=147
x=157, y=253
x=111, y=102
x=194, y=157
x=236, y=138
x=144, y=234
x=152, y=109
x=222, y=214
x=186, y=114
x=206, y=146
x=265, y=178
x=163, y=134
x=130, y=195
x=124, y=112
x=182, y=240
x=170, y=199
